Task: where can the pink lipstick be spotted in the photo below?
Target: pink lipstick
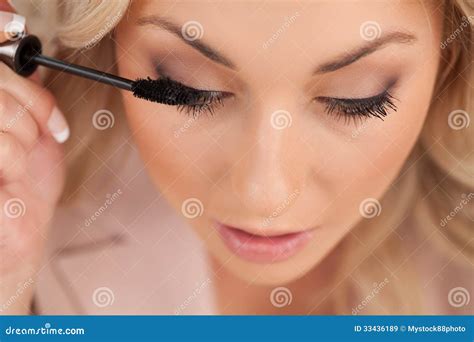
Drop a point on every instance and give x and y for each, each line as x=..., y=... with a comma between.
x=263, y=248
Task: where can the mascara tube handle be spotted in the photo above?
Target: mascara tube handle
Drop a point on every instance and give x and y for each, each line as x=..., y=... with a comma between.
x=24, y=56
x=16, y=54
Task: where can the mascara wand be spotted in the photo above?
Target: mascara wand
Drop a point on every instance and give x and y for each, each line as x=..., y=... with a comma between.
x=24, y=55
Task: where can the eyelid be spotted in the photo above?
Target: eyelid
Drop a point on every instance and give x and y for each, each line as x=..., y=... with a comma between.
x=161, y=73
x=352, y=100
x=360, y=108
x=388, y=88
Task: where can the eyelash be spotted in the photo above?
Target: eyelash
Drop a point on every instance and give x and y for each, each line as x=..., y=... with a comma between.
x=360, y=108
x=208, y=102
x=346, y=108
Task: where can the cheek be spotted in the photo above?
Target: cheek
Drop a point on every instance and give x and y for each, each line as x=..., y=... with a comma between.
x=366, y=164
x=174, y=148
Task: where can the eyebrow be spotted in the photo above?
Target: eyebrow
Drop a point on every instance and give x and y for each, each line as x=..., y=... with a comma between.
x=197, y=44
x=339, y=62
x=353, y=55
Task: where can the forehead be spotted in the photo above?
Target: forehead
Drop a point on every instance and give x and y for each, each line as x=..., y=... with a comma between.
x=288, y=32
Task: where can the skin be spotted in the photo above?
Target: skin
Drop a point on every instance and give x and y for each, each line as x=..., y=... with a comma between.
x=31, y=178
x=237, y=164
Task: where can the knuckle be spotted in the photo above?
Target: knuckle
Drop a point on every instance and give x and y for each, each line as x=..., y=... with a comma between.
x=6, y=109
x=7, y=76
x=3, y=117
x=14, y=114
x=9, y=148
x=32, y=129
x=43, y=97
x=5, y=145
x=3, y=70
x=41, y=104
x=4, y=98
x=13, y=159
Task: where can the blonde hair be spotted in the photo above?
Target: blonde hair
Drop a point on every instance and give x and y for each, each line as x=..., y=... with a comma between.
x=430, y=186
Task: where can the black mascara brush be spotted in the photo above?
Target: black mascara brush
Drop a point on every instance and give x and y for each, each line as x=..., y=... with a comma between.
x=24, y=56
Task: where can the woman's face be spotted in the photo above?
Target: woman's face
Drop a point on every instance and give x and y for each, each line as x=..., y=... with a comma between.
x=324, y=102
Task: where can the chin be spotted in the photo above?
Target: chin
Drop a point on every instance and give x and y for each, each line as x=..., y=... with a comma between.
x=270, y=275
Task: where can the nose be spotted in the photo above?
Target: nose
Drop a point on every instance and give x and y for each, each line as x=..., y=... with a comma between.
x=271, y=169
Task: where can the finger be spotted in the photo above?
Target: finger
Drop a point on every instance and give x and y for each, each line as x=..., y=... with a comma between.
x=17, y=120
x=7, y=6
x=40, y=102
x=49, y=118
x=12, y=26
x=12, y=159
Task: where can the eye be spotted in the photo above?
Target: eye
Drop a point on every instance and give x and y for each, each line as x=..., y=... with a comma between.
x=205, y=102
x=359, y=108
x=190, y=100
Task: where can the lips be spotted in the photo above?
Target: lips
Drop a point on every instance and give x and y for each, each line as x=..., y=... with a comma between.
x=263, y=248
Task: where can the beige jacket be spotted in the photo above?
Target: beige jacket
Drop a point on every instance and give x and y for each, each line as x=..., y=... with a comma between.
x=125, y=252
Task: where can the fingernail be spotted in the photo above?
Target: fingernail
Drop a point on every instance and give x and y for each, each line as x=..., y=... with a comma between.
x=58, y=126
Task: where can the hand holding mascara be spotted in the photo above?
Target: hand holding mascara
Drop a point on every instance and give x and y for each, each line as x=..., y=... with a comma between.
x=25, y=55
